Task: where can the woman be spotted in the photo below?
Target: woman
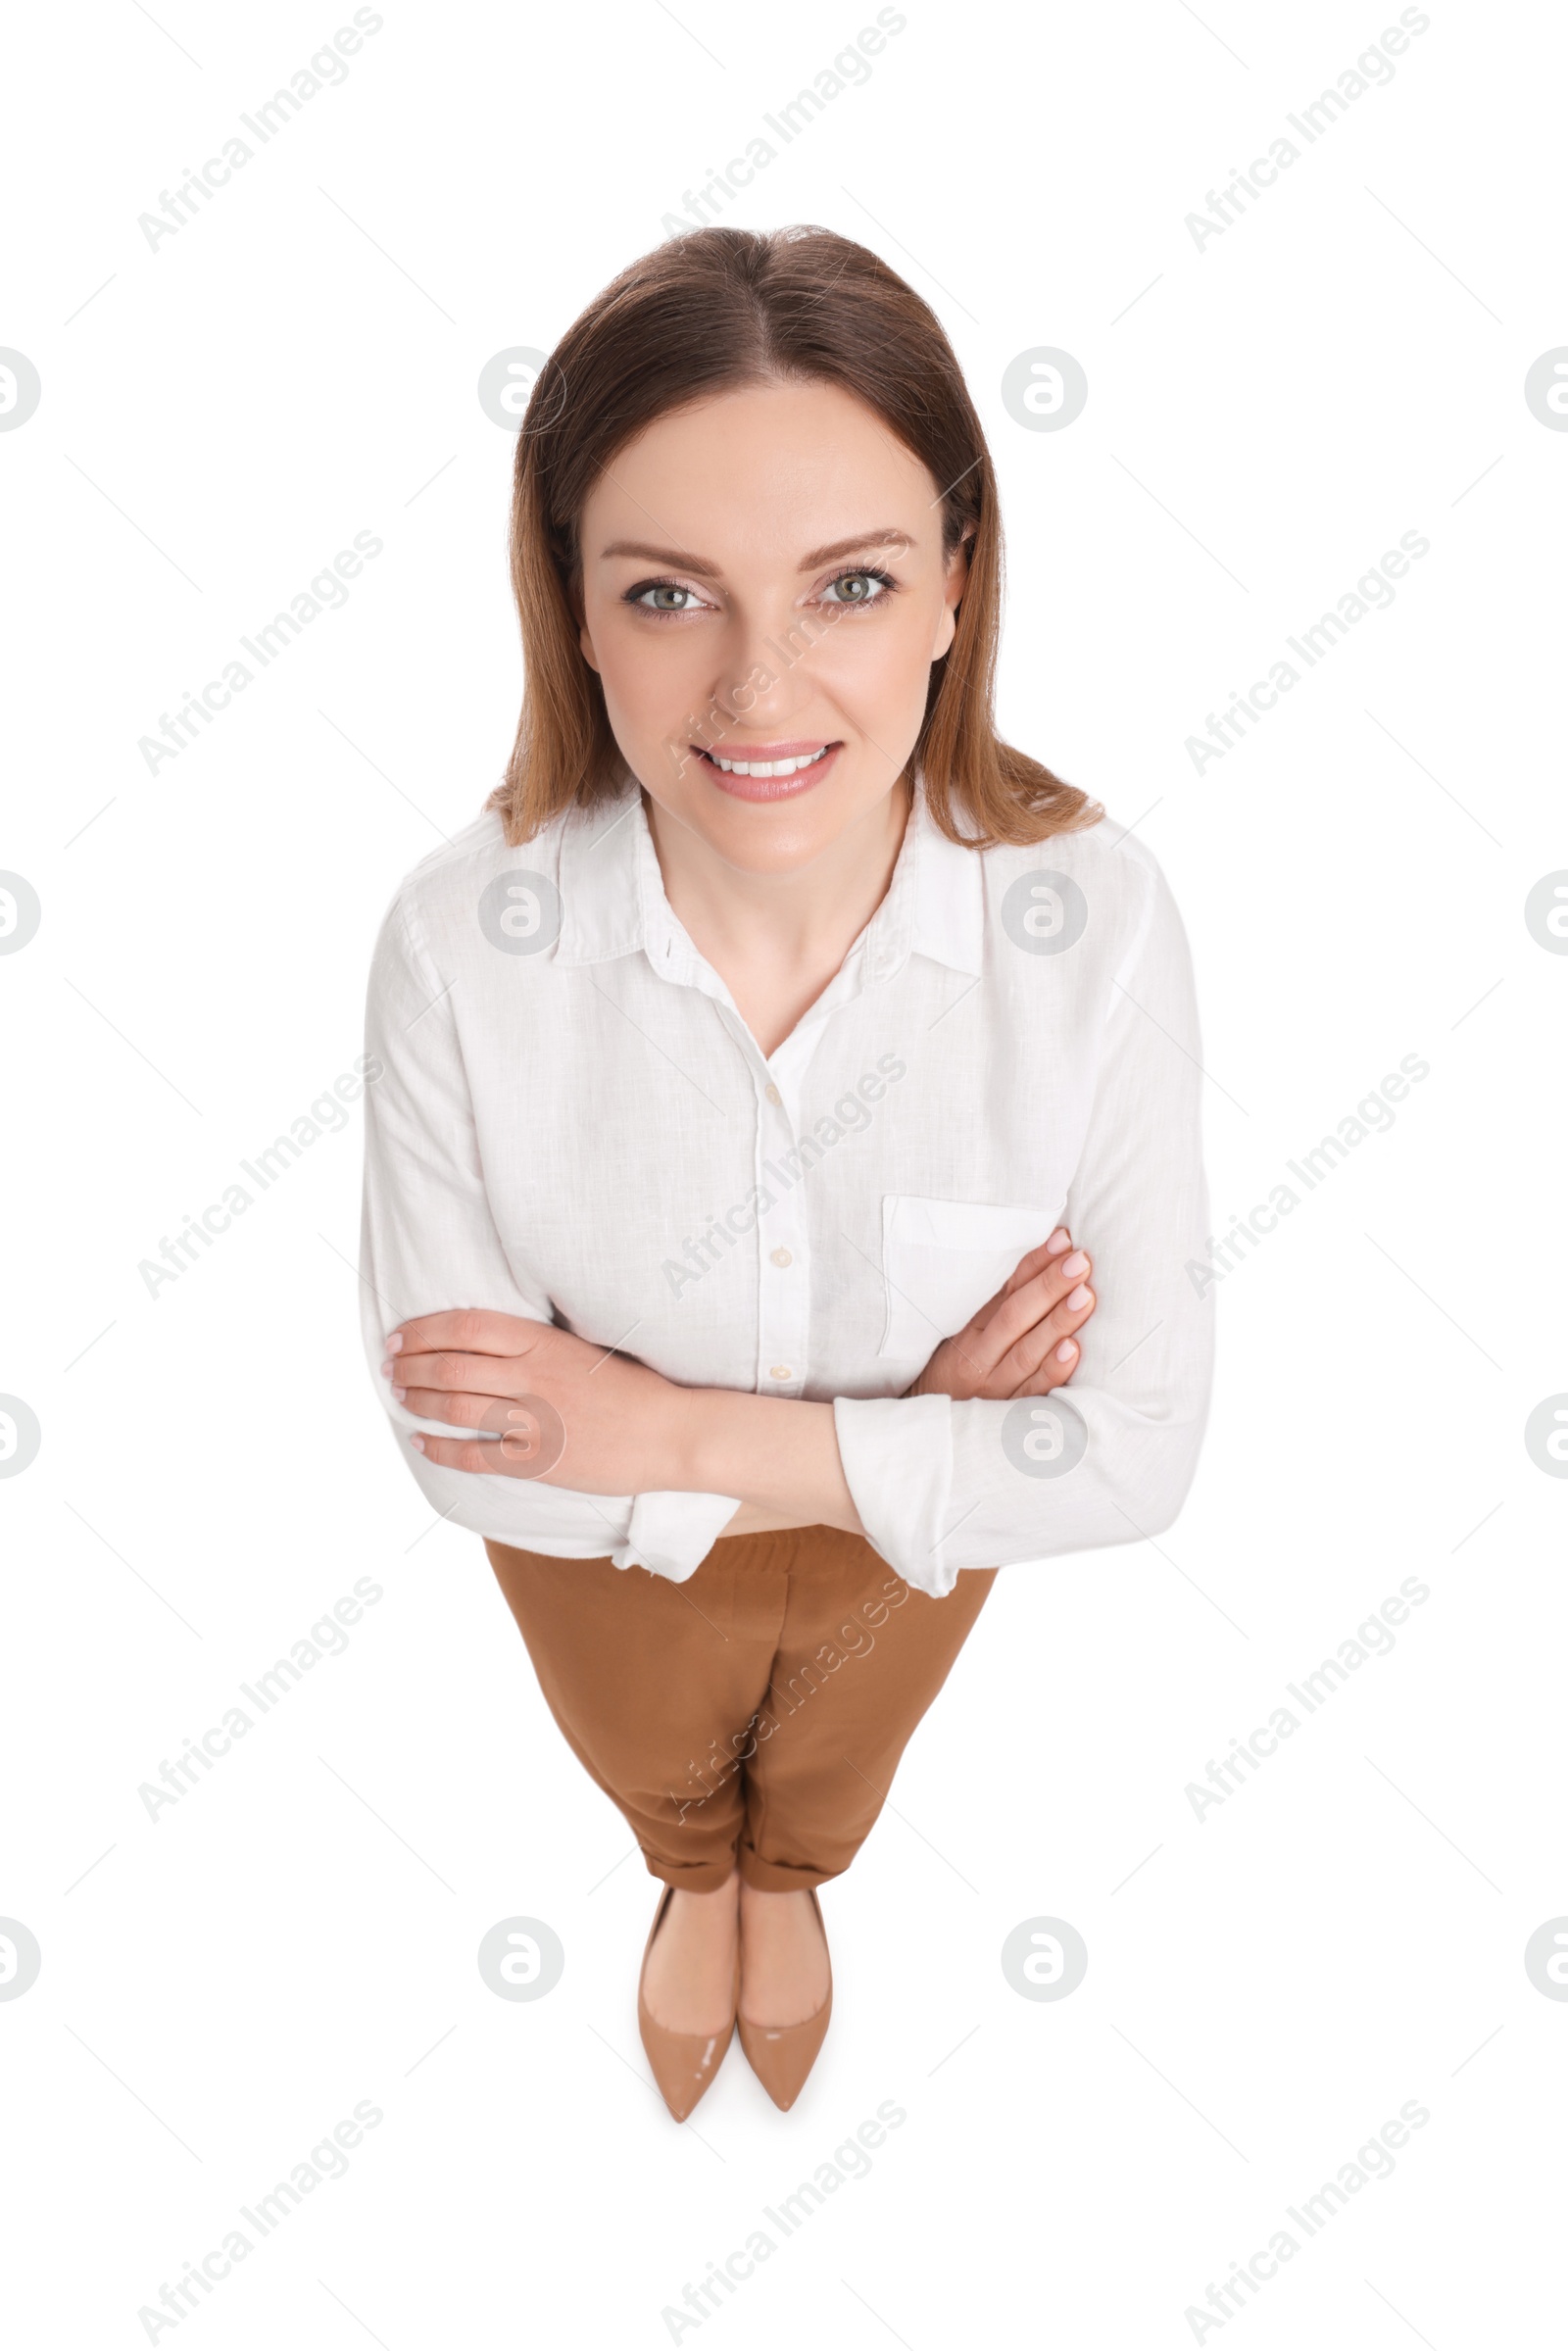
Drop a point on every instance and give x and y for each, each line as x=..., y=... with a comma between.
x=747, y=1066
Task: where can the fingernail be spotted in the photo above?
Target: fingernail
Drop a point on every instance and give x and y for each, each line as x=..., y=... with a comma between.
x=417, y=1444
x=386, y=1367
x=394, y=1343
x=1075, y=1264
x=1078, y=1300
x=1066, y=1351
x=398, y=1394
x=1059, y=1240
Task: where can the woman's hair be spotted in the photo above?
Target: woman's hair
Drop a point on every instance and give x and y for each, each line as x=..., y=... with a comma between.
x=706, y=313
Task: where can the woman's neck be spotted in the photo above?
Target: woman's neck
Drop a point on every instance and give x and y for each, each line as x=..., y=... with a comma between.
x=777, y=939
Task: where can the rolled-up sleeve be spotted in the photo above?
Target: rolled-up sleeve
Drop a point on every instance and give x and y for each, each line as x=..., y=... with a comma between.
x=941, y=1485
x=428, y=1243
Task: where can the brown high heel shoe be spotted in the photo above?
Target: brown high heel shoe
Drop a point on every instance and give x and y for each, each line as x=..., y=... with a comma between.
x=683, y=2062
x=782, y=2055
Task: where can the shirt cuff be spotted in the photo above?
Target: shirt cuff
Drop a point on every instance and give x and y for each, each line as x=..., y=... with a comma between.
x=672, y=1534
x=896, y=1453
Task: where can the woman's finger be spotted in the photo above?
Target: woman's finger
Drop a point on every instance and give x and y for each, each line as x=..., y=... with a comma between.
x=1038, y=1346
x=1058, y=1245
x=1060, y=1364
x=529, y=1450
x=476, y=1330
x=458, y=1408
x=452, y=1452
x=1030, y=1304
x=982, y=1343
x=458, y=1375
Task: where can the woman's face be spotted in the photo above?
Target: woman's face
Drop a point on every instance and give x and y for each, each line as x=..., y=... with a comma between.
x=762, y=582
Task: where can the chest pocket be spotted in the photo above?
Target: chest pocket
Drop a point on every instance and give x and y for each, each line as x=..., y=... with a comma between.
x=943, y=1258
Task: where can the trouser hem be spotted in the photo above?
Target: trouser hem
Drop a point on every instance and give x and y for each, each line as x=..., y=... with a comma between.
x=781, y=1876
x=693, y=1877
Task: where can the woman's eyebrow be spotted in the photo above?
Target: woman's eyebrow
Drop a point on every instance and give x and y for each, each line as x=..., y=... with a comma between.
x=681, y=560
x=887, y=537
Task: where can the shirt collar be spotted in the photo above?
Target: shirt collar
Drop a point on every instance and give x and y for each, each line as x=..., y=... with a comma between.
x=613, y=902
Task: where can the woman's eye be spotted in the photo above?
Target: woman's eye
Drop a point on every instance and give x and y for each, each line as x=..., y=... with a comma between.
x=859, y=587
x=660, y=594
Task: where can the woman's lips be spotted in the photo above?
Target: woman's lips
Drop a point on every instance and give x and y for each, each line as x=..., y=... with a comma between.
x=769, y=787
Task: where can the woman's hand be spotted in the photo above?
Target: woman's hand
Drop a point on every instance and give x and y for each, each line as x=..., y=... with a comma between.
x=1020, y=1343
x=551, y=1407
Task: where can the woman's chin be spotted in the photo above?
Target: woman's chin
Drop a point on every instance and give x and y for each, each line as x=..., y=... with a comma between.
x=776, y=834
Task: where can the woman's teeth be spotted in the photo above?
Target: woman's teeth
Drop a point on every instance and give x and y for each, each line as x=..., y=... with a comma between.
x=807, y=759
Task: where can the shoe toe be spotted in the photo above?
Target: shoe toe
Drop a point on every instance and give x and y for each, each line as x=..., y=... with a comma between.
x=683, y=2064
x=781, y=2056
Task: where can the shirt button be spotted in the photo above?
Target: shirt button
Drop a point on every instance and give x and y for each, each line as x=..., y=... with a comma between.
x=781, y=1257
x=780, y=1371
x=773, y=1094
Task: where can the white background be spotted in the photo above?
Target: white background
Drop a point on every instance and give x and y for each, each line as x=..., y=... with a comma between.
x=1266, y=1985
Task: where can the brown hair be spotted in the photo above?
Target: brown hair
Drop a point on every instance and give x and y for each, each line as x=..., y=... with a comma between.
x=701, y=314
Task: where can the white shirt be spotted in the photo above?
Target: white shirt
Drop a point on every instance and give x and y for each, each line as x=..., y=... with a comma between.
x=572, y=1122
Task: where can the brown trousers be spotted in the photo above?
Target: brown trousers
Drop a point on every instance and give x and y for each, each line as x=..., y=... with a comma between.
x=751, y=1717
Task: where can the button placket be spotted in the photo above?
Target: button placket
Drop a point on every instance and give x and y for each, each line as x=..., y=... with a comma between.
x=784, y=1259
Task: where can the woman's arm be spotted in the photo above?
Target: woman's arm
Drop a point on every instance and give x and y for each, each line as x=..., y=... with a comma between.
x=555, y=1410
x=552, y=1411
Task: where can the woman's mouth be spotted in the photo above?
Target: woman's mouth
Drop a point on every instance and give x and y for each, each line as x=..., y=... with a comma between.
x=767, y=771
